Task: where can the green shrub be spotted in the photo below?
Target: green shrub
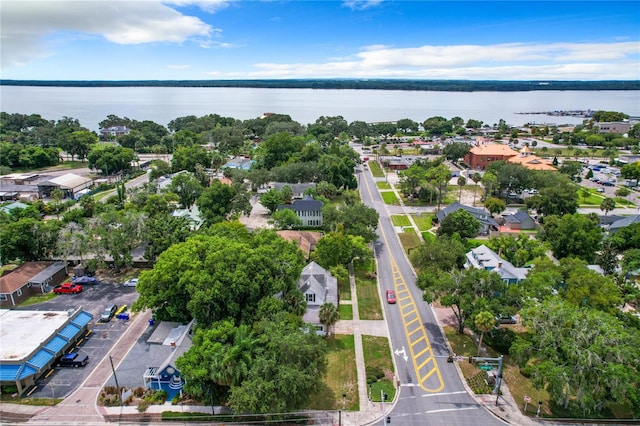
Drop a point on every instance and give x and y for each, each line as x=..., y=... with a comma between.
x=143, y=405
x=9, y=390
x=375, y=372
x=501, y=339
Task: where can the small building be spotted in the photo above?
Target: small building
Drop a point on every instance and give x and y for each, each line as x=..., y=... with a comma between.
x=482, y=257
x=308, y=210
x=319, y=287
x=520, y=220
x=487, y=223
x=70, y=184
x=297, y=188
x=11, y=206
x=32, y=341
x=29, y=279
x=613, y=127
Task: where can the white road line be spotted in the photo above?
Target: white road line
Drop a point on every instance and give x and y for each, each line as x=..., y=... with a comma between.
x=445, y=393
x=451, y=409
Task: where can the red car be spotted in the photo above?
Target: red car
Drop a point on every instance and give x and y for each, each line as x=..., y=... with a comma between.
x=391, y=297
x=69, y=288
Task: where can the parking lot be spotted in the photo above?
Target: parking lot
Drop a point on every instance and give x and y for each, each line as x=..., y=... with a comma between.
x=94, y=298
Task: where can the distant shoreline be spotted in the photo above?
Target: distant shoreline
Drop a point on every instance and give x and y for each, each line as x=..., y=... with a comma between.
x=407, y=85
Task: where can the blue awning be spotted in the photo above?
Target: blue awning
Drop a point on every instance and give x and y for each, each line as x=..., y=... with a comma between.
x=27, y=371
x=82, y=319
x=56, y=344
x=40, y=359
x=9, y=372
x=69, y=332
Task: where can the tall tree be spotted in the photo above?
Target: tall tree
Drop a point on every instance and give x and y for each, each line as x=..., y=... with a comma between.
x=187, y=187
x=328, y=315
x=573, y=235
x=607, y=205
x=485, y=322
x=459, y=222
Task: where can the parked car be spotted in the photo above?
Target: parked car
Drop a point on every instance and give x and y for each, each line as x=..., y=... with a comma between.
x=108, y=313
x=70, y=288
x=131, y=283
x=506, y=319
x=607, y=183
x=391, y=297
x=600, y=189
x=85, y=279
x=74, y=359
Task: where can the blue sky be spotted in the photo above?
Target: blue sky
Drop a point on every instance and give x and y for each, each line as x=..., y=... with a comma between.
x=278, y=39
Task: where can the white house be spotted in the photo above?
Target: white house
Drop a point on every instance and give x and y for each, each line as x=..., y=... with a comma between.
x=319, y=287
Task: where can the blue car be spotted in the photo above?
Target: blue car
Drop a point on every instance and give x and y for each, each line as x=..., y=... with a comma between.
x=84, y=280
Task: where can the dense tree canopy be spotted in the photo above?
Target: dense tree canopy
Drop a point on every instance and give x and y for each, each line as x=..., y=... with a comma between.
x=223, y=274
x=573, y=235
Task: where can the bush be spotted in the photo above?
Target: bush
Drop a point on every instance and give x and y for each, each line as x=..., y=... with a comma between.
x=139, y=392
x=375, y=372
x=501, y=339
x=8, y=390
x=143, y=405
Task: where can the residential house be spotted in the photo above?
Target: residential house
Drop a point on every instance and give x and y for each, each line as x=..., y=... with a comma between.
x=308, y=210
x=623, y=222
x=482, y=257
x=114, y=132
x=520, y=220
x=168, y=341
x=319, y=287
x=306, y=240
x=29, y=279
x=15, y=205
x=486, y=221
x=238, y=163
x=192, y=215
x=297, y=188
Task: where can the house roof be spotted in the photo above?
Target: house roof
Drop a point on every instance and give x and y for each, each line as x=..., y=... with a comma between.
x=192, y=214
x=624, y=222
x=306, y=240
x=21, y=275
x=480, y=214
x=307, y=204
x=315, y=279
x=532, y=162
x=67, y=181
x=493, y=149
x=15, y=205
x=482, y=257
x=517, y=217
x=297, y=188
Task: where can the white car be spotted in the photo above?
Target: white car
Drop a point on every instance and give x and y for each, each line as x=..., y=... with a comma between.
x=131, y=283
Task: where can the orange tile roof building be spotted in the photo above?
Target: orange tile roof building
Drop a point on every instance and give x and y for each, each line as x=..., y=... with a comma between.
x=481, y=155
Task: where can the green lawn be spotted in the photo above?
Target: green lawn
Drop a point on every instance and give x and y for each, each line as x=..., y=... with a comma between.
x=38, y=298
x=400, y=220
x=346, y=311
x=389, y=197
x=344, y=289
x=375, y=168
x=368, y=301
x=409, y=240
x=383, y=185
x=341, y=377
x=428, y=236
x=377, y=355
x=424, y=221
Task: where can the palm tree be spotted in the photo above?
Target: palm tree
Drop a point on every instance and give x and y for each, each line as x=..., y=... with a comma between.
x=461, y=183
x=476, y=177
x=484, y=322
x=329, y=315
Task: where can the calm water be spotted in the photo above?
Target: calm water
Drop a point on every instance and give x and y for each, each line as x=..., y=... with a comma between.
x=163, y=104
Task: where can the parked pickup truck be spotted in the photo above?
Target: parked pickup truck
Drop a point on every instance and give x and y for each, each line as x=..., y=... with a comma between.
x=68, y=288
x=73, y=360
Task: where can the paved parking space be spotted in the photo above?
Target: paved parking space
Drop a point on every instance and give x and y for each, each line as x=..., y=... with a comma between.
x=94, y=298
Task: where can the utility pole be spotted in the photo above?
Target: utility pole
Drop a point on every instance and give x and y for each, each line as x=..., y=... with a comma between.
x=116, y=379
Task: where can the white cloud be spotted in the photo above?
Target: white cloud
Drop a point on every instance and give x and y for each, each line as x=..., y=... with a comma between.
x=515, y=61
x=361, y=4
x=29, y=27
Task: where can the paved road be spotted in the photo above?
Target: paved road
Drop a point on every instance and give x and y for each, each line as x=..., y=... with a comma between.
x=431, y=391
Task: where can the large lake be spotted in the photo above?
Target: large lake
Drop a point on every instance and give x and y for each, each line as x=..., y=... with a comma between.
x=163, y=104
